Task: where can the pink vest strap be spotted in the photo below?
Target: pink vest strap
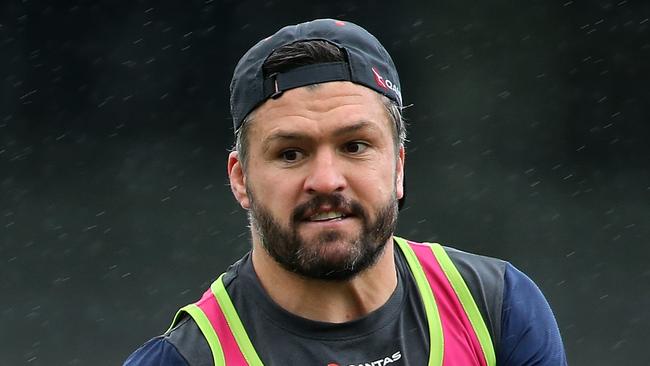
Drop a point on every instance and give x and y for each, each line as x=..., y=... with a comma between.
x=461, y=346
x=231, y=352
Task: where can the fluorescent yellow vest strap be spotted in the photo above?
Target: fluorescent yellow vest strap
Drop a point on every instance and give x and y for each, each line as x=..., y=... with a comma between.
x=466, y=299
x=235, y=323
x=206, y=328
x=431, y=309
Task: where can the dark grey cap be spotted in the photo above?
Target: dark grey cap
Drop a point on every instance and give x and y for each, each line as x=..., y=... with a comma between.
x=368, y=64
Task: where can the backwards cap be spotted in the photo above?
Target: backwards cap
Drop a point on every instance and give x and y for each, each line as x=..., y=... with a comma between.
x=367, y=63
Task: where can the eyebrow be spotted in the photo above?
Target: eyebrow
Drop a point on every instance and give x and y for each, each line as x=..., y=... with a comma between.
x=360, y=125
x=297, y=135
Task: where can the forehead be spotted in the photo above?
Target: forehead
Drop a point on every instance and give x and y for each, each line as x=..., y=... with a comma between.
x=320, y=109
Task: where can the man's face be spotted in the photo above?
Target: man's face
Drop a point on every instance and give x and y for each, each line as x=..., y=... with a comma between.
x=322, y=179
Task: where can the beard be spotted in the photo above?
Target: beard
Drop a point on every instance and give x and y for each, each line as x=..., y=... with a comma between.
x=310, y=259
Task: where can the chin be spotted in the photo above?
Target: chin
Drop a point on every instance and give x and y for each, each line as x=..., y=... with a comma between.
x=332, y=256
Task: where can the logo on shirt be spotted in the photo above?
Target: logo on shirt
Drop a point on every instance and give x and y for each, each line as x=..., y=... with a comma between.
x=380, y=362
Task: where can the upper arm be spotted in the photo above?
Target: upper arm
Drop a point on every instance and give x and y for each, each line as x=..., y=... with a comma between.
x=529, y=332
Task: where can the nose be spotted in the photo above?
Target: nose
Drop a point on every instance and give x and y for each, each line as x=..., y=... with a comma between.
x=325, y=174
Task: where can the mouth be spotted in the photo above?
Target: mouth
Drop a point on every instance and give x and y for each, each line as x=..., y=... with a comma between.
x=327, y=216
x=327, y=212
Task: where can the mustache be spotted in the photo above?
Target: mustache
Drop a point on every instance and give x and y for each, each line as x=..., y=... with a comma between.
x=336, y=201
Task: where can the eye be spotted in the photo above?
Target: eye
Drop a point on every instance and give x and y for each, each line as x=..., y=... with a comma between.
x=291, y=156
x=355, y=147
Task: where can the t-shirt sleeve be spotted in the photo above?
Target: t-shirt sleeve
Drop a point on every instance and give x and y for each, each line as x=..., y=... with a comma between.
x=156, y=352
x=529, y=332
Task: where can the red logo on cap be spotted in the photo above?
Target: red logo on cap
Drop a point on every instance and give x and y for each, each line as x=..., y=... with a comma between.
x=386, y=84
x=339, y=23
x=379, y=79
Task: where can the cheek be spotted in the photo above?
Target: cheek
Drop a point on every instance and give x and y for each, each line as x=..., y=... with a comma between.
x=375, y=184
x=275, y=192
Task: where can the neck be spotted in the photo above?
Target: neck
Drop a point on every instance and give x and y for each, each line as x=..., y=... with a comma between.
x=327, y=301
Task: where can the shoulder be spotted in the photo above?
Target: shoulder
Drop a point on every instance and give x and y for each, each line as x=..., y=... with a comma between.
x=184, y=345
x=486, y=275
x=479, y=264
x=157, y=351
x=522, y=324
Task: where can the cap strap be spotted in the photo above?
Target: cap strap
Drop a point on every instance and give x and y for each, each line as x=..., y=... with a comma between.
x=277, y=83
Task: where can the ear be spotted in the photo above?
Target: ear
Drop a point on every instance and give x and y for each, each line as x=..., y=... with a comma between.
x=399, y=172
x=237, y=180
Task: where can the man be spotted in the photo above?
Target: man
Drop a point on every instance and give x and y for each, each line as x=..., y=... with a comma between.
x=319, y=166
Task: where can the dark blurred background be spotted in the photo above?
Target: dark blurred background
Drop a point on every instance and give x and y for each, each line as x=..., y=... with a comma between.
x=529, y=131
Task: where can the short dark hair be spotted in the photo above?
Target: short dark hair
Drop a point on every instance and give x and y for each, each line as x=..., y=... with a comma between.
x=308, y=53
